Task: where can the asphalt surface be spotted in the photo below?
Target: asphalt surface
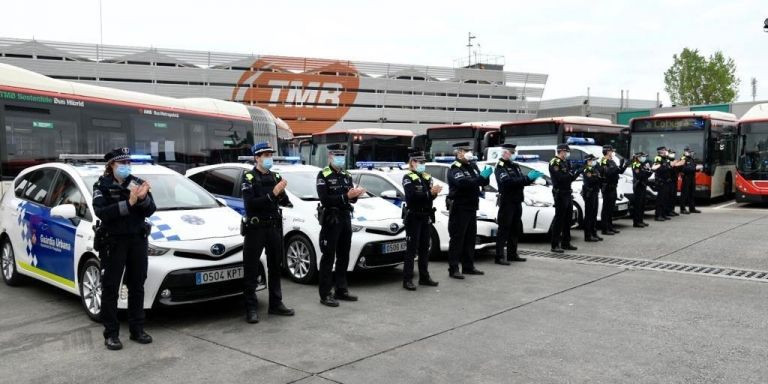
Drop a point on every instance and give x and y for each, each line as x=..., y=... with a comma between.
x=546, y=320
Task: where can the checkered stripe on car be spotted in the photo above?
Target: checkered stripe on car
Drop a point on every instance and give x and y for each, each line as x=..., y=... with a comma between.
x=26, y=233
x=162, y=231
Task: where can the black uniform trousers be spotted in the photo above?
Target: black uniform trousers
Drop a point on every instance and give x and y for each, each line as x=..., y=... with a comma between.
x=687, y=192
x=257, y=238
x=609, y=204
x=335, y=240
x=590, y=213
x=510, y=227
x=561, y=226
x=671, y=195
x=417, y=230
x=462, y=228
x=638, y=212
x=127, y=253
x=662, y=194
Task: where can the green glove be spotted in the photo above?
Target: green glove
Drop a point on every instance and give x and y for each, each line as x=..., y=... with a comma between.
x=487, y=171
x=533, y=175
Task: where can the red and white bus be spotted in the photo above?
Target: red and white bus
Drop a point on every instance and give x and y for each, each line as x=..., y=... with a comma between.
x=752, y=166
x=438, y=141
x=712, y=135
x=364, y=145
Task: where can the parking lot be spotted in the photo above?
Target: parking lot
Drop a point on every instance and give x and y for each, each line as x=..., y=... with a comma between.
x=547, y=320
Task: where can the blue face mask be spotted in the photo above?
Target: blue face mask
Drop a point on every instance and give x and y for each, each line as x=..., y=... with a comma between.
x=513, y=157
x=123, y=171
x=267, y=163
x=339, y=161
x=420, y=168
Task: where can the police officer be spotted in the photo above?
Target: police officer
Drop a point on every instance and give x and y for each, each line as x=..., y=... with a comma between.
x=590, y=191
x=610, y=172
x=674, y=170
x=661, y=169
x=688, y=189
x=641, y=171
x=263, y=193
x=337, y=194
x=122, y=202
x=464, y=183
x=418, y=216
x=511, y=182
x=562, y=177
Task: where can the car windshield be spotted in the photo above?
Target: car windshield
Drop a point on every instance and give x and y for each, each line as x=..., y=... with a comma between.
x=397, y=177
x=302, y=184
x=541, y=167
x=172, y=192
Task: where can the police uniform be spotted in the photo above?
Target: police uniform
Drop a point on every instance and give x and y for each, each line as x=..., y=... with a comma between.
x=562, y=176
x=640, y=174
x=672, y=187
x=662, y=184
x=511, y=182
x=419, y=216
x=590, y=191
x=464, y=183
x=688, y=189
x=262, y=228
x=126, y=249
x=610, y=172
x=333, y=183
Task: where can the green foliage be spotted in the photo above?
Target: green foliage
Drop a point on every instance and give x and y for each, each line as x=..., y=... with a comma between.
x=693, y=79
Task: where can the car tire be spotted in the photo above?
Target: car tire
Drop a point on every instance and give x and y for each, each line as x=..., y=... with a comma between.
x=11, y=276
x=300, y=260
x=90, y=285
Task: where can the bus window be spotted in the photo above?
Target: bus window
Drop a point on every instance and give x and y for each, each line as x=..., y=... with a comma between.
x=163, y=139
x=35, y=136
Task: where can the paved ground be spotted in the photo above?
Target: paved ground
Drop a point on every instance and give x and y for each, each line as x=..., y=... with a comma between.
x=551, y=321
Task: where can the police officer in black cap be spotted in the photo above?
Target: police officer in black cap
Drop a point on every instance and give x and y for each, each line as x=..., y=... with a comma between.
x=688, y=190
x=464, y=183
x=122, y=202
x=562, y=176
x=511, y=182
x=674, y=171
x=263, y=194
x=419, y=216
x=641, y=171
x=610, y=172
x=337, y=194
x=590, y=191
x=661, y=169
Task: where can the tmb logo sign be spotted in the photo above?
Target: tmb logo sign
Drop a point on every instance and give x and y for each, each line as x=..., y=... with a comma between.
x=311, y=94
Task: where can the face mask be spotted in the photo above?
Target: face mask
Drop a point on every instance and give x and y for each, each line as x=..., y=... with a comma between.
x=671, y=155
x=420, y=168
x=688, y=154
x=643, y=159
x=513, y=157
x=339, y=161
x=468, y=156
x=267, y=163
x=567, y=155
x=123, y=171
x=592, y=163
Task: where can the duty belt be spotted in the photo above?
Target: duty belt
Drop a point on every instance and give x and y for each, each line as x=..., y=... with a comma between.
x=258, y=220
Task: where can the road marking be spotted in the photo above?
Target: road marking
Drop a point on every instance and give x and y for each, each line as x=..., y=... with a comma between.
x=725, y=205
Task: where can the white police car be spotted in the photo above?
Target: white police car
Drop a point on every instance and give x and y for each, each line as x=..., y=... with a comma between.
x=46, y=233
x=385, y=180
x=378, y=233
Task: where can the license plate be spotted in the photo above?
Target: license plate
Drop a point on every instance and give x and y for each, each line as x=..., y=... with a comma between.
x=218, y=275
x=399, y=246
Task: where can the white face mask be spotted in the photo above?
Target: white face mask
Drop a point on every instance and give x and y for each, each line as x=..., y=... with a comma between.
x=567, y=154
x=469, y=156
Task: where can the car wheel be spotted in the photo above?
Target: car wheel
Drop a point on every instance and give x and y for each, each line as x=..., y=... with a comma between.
x=300, y=260
x=8, y=262
x=90, y=288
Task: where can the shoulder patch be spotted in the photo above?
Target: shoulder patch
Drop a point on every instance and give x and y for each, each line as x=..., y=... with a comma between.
x=426, y=176
x=413, y=176
x=554, y=161
x=501, y=163
x=657, y=159
x=277, y=176
x=249, y=176
x=456, y=164
x=326, y=172
x=604, y=161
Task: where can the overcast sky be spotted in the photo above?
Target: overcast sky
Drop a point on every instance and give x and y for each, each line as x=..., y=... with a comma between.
x=605, y=45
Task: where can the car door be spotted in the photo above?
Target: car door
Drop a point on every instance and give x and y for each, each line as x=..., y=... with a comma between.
x=225, y=183
x=376, y=185
x=65, y=238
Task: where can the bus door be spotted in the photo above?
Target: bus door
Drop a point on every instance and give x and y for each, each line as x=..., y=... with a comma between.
x=306, y=151
x=490, y=139
x=103, y=132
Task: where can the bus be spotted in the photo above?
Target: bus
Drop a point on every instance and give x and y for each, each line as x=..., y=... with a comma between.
x=752, y=166
x=363, y=145
x=557, y=130
x=271, y=129
x=712, y=135
x=439, y=140
x=45, y=117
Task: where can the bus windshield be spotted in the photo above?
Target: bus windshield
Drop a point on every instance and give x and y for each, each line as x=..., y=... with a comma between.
x=380, y=147
x=753, y=163
x=442, y=139
x=648, y=141
x=530, y=134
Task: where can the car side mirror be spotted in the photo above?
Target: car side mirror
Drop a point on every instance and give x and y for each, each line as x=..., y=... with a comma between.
x=222, y=201
x=66, y=211
x=390, y=194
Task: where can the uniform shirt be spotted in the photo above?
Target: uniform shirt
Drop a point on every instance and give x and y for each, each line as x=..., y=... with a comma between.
x=418, y=196
x=332, y=188
x=592, y=180
x=511, y=182
x=663, y=172
x=689, y=168
x=640, y=174
x=110, y=203
x=258, y=199
x=610, y=171
x=561, y=174
x=464, y=183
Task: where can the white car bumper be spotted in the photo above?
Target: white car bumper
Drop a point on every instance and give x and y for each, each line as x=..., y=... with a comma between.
x=372, y=248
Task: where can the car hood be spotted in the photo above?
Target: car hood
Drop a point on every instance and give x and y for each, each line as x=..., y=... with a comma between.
x=375, y=209
x=194, y=224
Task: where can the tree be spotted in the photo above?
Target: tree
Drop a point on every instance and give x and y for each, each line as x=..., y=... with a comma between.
x=693, y=79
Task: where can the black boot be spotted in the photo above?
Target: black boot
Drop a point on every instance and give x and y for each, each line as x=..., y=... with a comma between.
x=427, y=281
x=113, y=343
x=590, y=239
x=694, y=210
x=408, y=284
x=141, y=337
x=557, y=249
x=329, y=301
x=344, y=295
x=502, y=262
x=251, y=316
x=569, y=247
x=455, y=274
x=281, y=310
x=517, y=259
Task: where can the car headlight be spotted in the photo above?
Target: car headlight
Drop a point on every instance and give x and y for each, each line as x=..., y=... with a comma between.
x=156, y=251
x=536, y=203
x=357, y=228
